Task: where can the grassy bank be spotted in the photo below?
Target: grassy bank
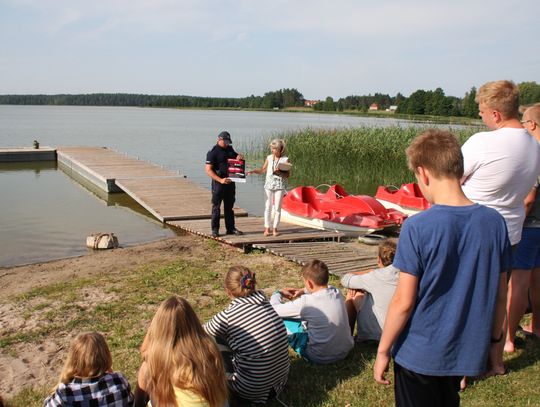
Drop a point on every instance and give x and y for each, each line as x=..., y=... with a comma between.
x=358, y=158
x=417, y=118
x=120, y=305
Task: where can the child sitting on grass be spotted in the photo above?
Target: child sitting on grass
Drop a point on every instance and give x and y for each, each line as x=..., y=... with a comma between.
x=255, y=343
x=370, y=293
x=451, y=294
x=322, y=310
x=87, y=378
x=182, y=364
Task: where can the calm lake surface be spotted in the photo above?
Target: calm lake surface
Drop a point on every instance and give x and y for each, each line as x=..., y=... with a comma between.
x=46, y=215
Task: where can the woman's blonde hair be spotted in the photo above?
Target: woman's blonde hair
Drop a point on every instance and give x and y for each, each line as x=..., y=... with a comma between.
x=179, y=353
x=278, y=144
x=240, y=281
x=88, y=356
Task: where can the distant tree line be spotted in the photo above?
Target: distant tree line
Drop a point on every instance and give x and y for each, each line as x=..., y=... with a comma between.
x=278, y=99
x=434, y=103
x=360, y=103
x=420, y=102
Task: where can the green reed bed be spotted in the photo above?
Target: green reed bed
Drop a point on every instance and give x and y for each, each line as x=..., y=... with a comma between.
x=360, y=158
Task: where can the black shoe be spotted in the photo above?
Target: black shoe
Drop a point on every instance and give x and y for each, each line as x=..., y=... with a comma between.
x=215, y=233
x=234, y=232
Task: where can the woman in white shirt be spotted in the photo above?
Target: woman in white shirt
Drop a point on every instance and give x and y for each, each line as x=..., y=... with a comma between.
x=277, y=169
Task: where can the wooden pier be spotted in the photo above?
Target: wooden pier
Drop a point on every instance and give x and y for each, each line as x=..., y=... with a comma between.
x=165, y=194
x=252, y=228
x=295, y=243
x=180, y=203
x=340, y=257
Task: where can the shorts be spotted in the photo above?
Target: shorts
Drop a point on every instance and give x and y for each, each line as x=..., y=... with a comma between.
x=417, y=390
x=297, y=336
x=527, y=254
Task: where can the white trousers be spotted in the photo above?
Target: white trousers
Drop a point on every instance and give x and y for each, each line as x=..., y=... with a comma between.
x=273, y=201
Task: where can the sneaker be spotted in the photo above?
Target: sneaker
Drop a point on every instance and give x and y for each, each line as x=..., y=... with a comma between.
x=215, y=233
x=234, y=232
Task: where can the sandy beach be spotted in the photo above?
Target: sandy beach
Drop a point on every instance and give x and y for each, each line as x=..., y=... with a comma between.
x=43, y=306
x=36, y=361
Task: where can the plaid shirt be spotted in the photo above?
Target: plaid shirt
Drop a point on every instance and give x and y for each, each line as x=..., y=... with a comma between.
x=110, y=390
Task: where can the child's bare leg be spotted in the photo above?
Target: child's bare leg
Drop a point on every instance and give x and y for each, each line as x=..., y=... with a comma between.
x=495, y=360
x=516, y=304
x=353, y=303
x=463, y=383
x=351, y=313
x=535, y=301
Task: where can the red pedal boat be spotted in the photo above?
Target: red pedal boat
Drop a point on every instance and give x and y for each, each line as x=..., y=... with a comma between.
x=337, y=210
x=407, y=199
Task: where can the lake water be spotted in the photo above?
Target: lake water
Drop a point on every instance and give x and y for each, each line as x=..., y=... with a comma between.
x=47, y=215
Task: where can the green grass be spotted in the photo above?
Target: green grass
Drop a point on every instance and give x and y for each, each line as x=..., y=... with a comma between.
x=133, y=296
x=359, y=158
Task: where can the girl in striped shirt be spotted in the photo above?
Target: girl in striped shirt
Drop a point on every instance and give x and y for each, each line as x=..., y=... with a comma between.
x=255, y=343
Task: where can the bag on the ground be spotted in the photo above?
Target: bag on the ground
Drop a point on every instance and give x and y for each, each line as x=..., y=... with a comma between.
x=102, y=241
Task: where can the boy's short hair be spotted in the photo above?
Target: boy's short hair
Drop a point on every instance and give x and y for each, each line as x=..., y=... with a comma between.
x=387, y=251
x=533, y=113
x=502, y=96
x=437, y=151
x=316, y=271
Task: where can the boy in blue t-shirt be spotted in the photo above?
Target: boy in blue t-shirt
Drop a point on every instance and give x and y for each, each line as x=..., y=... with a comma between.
x=450, y=299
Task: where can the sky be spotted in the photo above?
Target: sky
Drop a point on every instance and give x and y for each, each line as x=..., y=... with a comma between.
x=227, y=48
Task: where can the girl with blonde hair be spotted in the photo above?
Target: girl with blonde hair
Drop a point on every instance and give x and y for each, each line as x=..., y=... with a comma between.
x=255, y=343
x=87, y=378
x=277, y=169
x=182, y=366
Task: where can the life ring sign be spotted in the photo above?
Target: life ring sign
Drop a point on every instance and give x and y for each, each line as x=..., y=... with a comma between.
x=236, y=170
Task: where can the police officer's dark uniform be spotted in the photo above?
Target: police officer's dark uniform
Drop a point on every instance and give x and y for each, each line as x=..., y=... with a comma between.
x=217, y=158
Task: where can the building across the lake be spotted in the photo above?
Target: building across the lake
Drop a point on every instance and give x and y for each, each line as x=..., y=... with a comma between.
x=310, y=103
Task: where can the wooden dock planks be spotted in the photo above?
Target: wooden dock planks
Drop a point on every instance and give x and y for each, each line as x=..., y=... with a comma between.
x=253, y=227
x=165, y=194
x=341, y=258
x=172, y=198
x=295, y=243
x=106, y=165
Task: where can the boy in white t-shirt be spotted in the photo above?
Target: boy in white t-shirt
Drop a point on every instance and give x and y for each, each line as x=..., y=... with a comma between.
x=501, y=167
x=370, y=293
x=321, y=309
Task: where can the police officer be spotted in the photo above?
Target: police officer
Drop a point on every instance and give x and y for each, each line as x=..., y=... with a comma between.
x=223, y=189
